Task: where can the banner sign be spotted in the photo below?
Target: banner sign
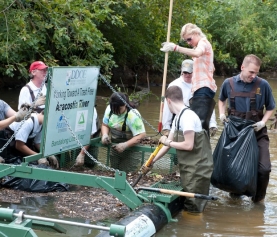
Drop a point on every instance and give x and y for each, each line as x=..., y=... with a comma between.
x=71, y=98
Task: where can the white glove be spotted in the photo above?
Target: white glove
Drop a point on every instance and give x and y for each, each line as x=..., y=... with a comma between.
x=105, y=139
x=2, y=159
x=80, y=160
x=53, y=161
x=43, y=161
x=258, y=126
x=213, y=131
x=223, y=118
x=165, y=132
x=164, y=140
x=120, y=147
x=40, y=101
x=167, y=46
x=22, y=112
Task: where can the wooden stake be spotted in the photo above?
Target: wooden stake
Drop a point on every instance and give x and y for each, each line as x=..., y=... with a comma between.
x=165, y=67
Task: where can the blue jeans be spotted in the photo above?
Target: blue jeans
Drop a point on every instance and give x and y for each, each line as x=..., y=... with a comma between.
x=204, y=91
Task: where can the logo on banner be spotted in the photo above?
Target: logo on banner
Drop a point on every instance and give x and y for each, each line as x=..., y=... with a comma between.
x=61, y=124
x=76, y=77
x=81, y=120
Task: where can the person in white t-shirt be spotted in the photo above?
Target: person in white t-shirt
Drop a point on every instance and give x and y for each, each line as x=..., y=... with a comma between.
x=95, y=131
x=28, y=139
x=184, y=82
x=38, y=71
x=193, y=150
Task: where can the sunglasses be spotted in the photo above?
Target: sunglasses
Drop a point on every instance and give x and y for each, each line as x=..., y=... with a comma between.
x=186, y=73
x=188, y=40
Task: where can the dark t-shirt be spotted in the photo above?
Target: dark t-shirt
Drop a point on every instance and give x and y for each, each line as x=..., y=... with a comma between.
x=264, y=96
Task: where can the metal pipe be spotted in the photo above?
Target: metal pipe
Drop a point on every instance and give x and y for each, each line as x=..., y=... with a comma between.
x=119, y=229
x=62, y=222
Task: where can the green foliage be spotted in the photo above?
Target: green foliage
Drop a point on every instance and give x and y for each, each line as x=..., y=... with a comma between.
x=238, y=29
x=58, y=32
x=129, y=33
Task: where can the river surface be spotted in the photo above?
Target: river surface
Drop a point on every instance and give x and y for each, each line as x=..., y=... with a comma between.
x=226, y=217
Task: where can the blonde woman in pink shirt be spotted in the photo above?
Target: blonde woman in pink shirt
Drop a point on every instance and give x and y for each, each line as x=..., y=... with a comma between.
x=203, y=84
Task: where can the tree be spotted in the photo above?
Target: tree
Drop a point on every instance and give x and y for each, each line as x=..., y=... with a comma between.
x=58, y=32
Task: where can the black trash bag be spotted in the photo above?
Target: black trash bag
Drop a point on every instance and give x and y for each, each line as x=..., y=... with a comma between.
x=33, y=185
x=236, y=158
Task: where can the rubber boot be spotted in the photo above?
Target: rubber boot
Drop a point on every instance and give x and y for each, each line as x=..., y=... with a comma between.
x=203, y=106
x=262, y=184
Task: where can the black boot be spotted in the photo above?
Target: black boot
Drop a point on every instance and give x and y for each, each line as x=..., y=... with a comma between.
x=203, y=107
x=262, y=184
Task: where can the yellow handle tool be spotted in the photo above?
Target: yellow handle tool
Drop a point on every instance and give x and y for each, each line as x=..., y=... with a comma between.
x=148, y=162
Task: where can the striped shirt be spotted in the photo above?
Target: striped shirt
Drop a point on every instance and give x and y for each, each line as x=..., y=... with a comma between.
x=203, y=67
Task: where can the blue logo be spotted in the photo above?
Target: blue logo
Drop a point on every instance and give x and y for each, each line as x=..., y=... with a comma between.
x=61, y=124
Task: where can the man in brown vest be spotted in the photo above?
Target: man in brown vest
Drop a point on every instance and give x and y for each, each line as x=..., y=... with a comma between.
x=250, y=97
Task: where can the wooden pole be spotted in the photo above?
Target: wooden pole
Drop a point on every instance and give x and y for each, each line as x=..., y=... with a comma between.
x=179, y=193
x=165, y=67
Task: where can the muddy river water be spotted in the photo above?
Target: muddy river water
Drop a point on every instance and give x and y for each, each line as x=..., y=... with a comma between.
x=226, y=217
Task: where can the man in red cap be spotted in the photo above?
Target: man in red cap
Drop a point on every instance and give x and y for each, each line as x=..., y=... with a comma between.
x=28, y=93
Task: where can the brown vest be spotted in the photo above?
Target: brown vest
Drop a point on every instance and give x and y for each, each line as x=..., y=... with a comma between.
x=253, y=114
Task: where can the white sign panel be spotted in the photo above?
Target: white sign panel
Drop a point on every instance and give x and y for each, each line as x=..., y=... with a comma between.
x=71, y=99
x=140, y=227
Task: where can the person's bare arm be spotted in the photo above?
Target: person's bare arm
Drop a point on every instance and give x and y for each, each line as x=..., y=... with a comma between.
x=163, y=150
x=105, y=129
x=187, y=144
x=10, y=114
x=190, y=52
x=161, y=153
x=21, y=146
x=221, y=107
x=37, y=146
x=267, y=115
x=136, y=139
x=5, y=123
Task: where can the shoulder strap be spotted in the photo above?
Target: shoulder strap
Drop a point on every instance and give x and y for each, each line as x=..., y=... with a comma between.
x=31, y=92
x=178, y=122
x=33, y=124
x=172, y=119
x=232, y=96
x=255, y=90
x=125, y=118
x=124, y=124
x=111, y=112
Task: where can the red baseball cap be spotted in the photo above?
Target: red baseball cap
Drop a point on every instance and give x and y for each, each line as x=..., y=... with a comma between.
x=37, y=65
